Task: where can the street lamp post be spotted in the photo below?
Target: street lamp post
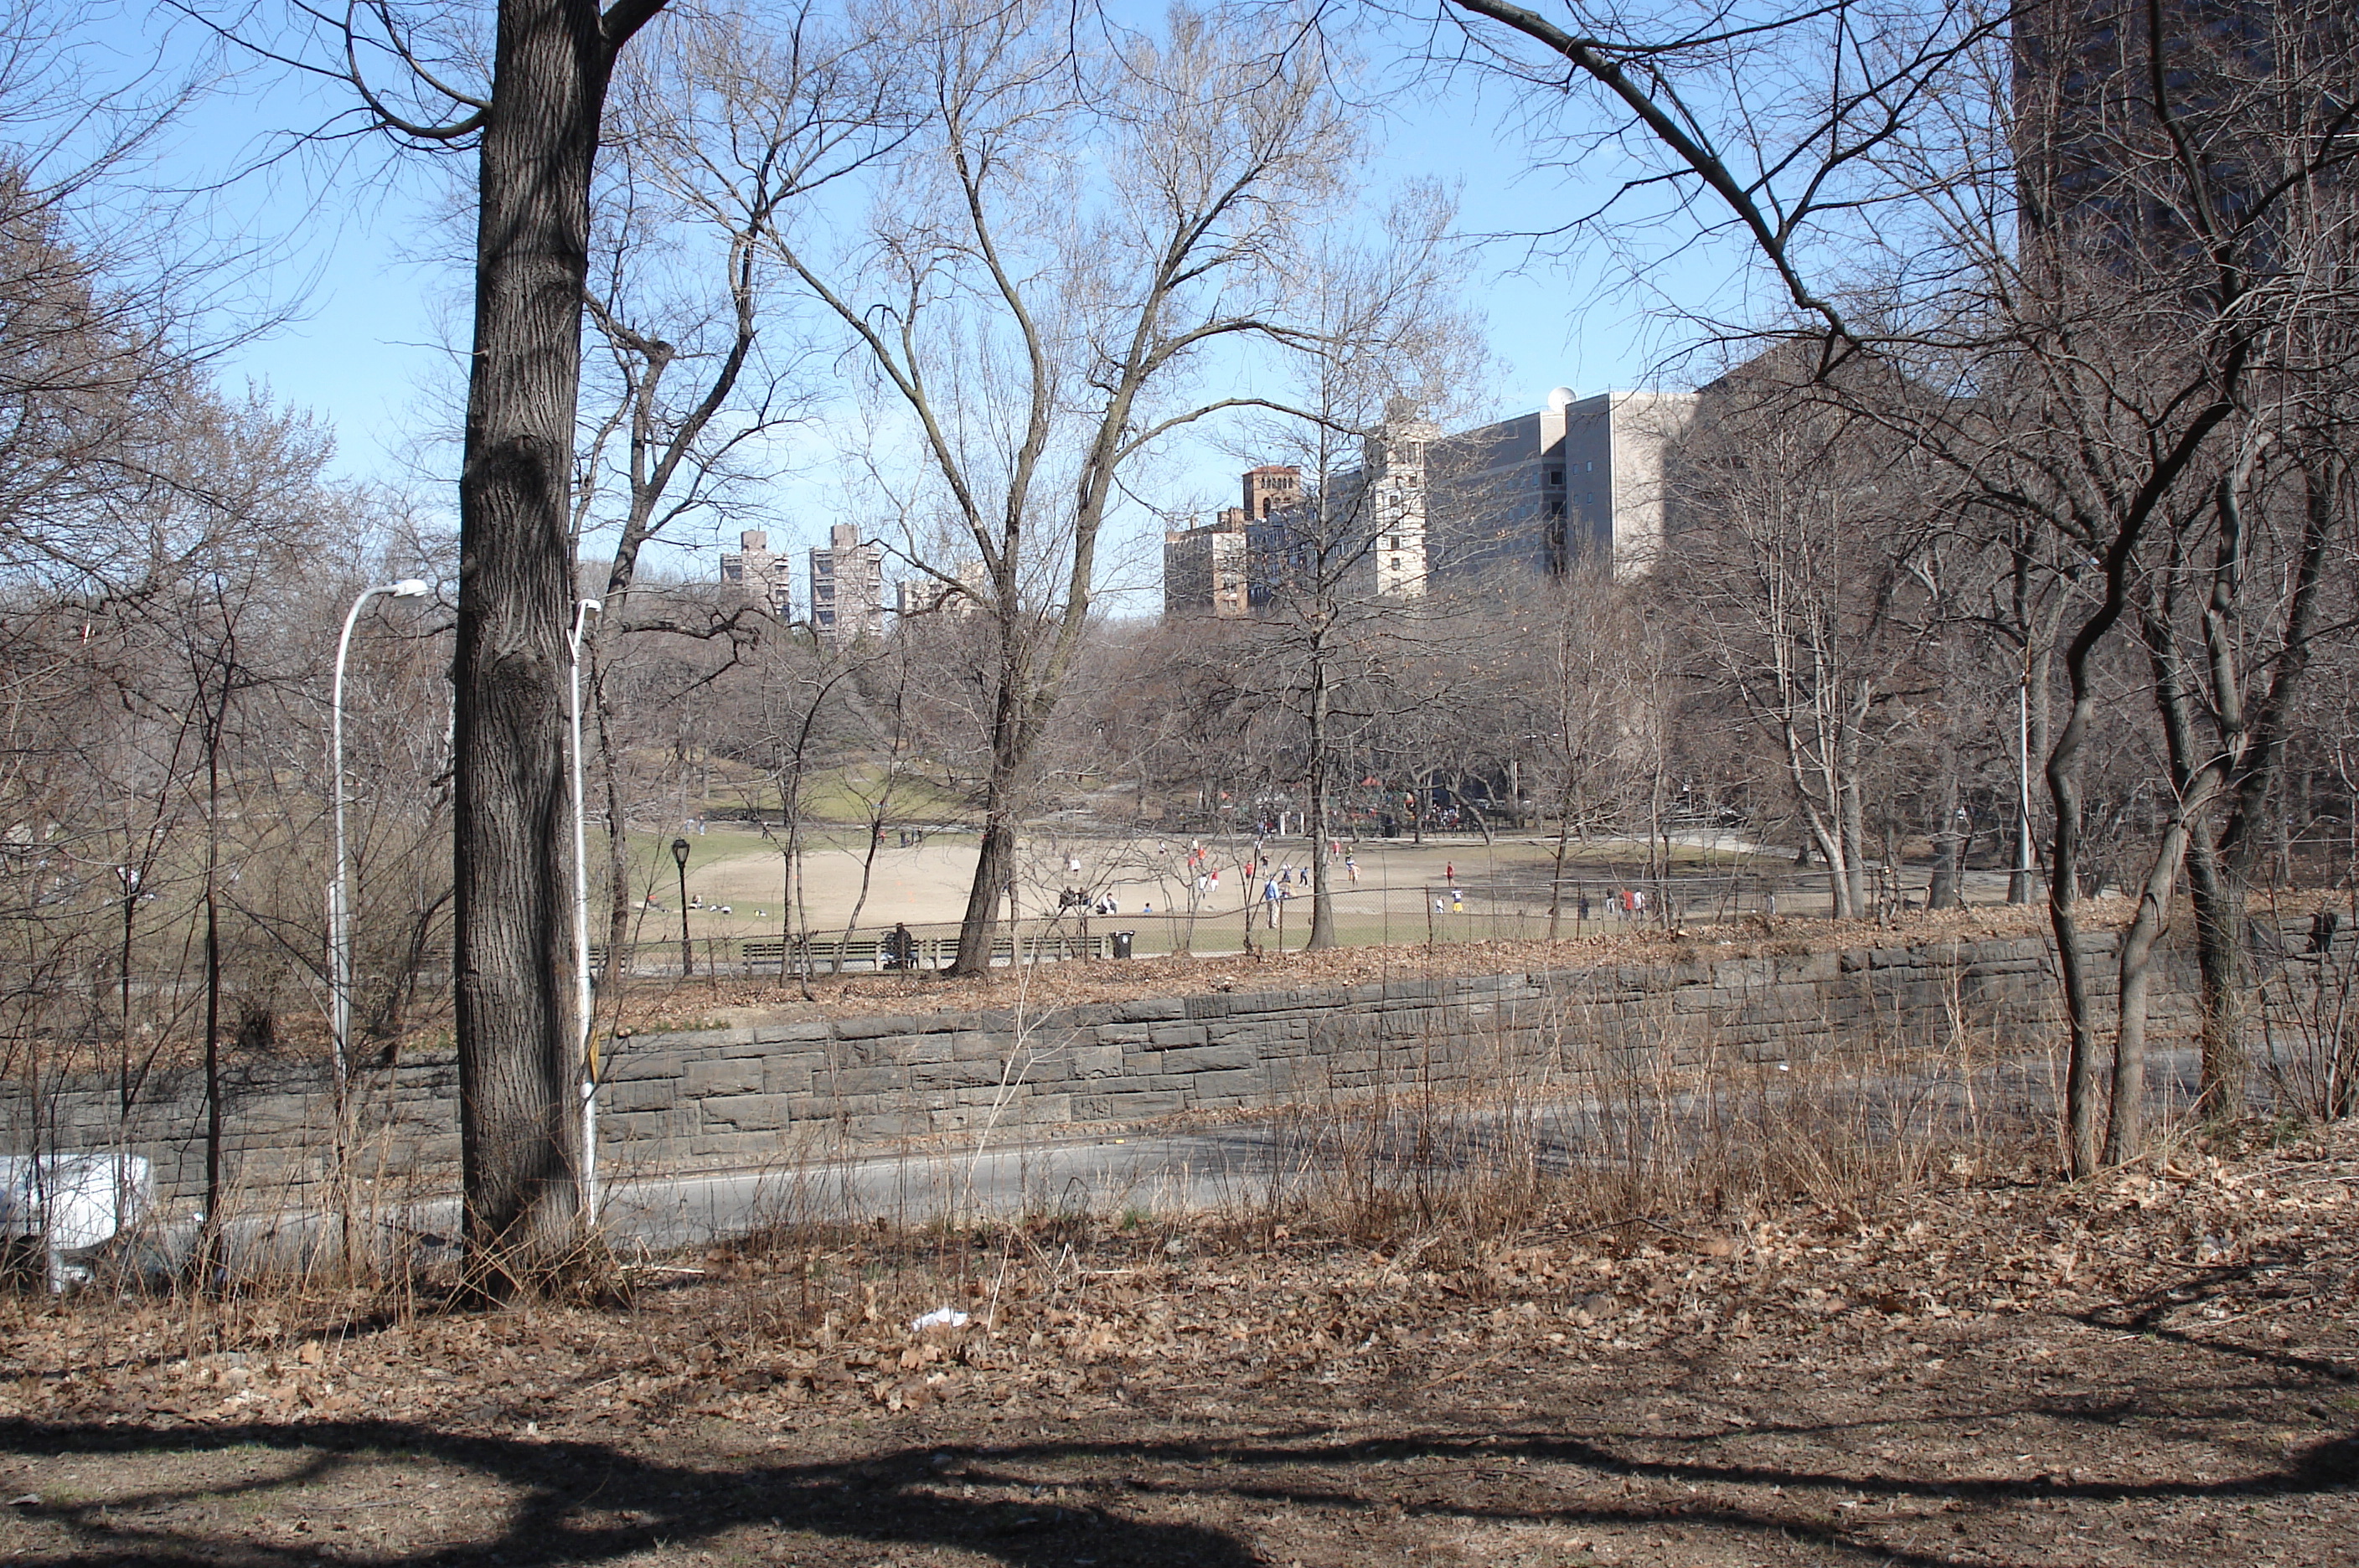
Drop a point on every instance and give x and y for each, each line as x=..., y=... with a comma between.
x=680, y=858
x=339, y=925
x=582, y=611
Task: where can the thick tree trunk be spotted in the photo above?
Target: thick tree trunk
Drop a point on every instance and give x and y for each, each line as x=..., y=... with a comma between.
x=2126, y=1123
x=993, y=866
x=1942, y=891
x=2220, y=868
x=2218, y=898
x=995, y=862
x=519, y=1045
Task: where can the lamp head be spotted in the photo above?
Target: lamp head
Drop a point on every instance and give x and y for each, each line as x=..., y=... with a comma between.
x=590, y=606
x=410, y=588
x=679, y=853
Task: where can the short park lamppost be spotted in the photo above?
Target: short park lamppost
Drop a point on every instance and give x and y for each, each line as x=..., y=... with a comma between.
x=680, y=858
x=340, y=921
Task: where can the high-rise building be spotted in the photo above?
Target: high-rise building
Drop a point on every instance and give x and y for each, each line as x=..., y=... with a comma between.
x=1577, y=482
x=929, y=595
x=1360, y=535
x=1204, y=569
x=847, y=588
x=2251, y=91
x=765, y=578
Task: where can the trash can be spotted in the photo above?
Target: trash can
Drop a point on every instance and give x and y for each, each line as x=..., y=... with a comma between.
x=1122, y=940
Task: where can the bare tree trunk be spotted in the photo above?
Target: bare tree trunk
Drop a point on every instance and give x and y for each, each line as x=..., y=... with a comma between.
x=2063, y=775
x=519, y=1044
x=1942, y=891
x=2126, y=1123
x=2220, y=869
x=1322, y=905
x=994, y=863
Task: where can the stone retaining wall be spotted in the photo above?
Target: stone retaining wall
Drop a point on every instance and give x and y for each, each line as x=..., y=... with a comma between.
x=744, y=1098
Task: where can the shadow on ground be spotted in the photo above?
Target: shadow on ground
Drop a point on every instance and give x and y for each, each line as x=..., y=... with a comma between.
x=585, y=1502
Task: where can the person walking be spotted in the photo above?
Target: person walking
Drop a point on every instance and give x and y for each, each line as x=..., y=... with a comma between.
x=1351, y=867
x=1449, y=872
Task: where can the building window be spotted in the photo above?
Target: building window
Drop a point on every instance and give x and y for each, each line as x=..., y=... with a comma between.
x=1556, y=476
x=1393, y=544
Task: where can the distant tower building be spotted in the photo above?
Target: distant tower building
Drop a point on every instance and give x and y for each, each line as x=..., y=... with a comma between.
x=1363, y=534
x=931, y=595
x=1269, y=488
x=762, y=577
x=847, y=588
x=1614, y=447
x=1394, y=475
x=1204, y=569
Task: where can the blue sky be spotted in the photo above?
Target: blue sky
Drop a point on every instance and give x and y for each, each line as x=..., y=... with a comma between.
x=358, y=254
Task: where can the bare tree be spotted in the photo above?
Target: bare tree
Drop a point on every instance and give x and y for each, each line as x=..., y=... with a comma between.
x=1074, y=227
x=1794, y=567
x=2095, y=258
x=532, y=104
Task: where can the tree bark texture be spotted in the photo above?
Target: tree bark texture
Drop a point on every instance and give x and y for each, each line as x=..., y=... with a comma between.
x=519, y=1040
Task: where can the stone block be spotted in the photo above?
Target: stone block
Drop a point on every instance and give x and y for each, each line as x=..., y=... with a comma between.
x=850, y=1083
x=1044, y=1110
x=982, y=1045
x=1153, y=1009
x=953, y=1074
x=1136, y=1105
x=922, y=1050
x=641, y=1095
x=791, y=1074
x=636, y=1059
x=1204, y=1058
x=1097, y=1061
x=1248, y=1083
x=881, y=1028
x=1263, y=1035
x=729, y=1075
x=748, y=1112
x=794, y=1034
x=1166, y=1036
x=881, y=1125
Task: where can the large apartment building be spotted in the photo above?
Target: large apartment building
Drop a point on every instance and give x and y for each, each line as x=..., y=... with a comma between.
x=1579, y=483
x=1204, y=569
x=847, y=588
x=763, y=577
